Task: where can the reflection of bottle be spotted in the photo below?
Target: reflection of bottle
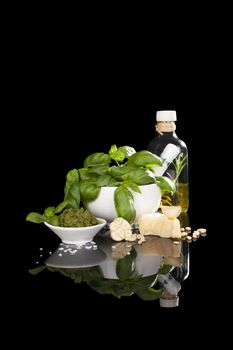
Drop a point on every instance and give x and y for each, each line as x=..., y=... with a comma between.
x=169, y=300
x=181, y=272
x=178, y=169
x=171, y=287
x=178, y=274
x=170, y=296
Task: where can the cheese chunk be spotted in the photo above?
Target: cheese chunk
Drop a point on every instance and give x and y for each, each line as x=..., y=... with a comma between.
x=159, y=225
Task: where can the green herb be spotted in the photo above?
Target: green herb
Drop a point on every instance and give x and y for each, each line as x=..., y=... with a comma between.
x=97, y=159
x=122, y=167
x=123, y=201
x=145, y=158
x=165, y=184
x=73, y=217
x=179, y=165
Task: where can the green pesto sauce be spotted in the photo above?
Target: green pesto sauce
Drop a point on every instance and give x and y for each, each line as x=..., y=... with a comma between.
x=77, y=218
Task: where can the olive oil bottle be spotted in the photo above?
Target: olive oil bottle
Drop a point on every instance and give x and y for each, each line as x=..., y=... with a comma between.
x=165, y=144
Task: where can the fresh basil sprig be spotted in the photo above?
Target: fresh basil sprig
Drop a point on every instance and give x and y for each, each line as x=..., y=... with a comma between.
x=122, y=167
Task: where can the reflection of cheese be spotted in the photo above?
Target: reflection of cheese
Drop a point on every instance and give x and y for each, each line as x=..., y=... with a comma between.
x=159, y=225
x=160, y=246
x=171, y=260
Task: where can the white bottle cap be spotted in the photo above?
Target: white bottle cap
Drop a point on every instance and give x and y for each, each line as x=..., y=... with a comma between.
x=169, y=302
x=166, y=116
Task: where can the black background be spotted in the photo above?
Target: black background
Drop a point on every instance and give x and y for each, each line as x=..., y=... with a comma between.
x=65, y=123
x=75, y=98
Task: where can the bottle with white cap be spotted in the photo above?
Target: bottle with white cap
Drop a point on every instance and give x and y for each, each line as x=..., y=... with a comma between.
x=174, y=154
x=170, y=297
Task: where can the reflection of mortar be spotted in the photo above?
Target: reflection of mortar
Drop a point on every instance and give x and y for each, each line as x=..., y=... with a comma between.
x=149, y=255
x=72, y=256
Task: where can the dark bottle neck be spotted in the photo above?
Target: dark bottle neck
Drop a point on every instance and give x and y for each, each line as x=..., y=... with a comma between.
x=168, y=133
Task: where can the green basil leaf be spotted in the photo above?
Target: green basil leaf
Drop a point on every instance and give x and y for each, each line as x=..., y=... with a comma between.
x=83, y=174
x=89, y=191
x=150, y=294
x=49, y=212
x=125, y=267
x=127, y=151
x=73, y=195
x=36, y=218
x=124, y=204
x=112, y=150
x=72, y=176
x=119, y=156
x=145, y=158
x=105, y=180
x=132, y=185
x=98, y=170
x=165, y=184
x=54, y=220
x=61, y=206
x=118, y=171
x=140, y=176
x=116, y=154
x=97, y=159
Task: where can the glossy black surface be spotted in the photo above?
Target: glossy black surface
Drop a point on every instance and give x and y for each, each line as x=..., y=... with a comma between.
x=120, y=269
x=44, y=249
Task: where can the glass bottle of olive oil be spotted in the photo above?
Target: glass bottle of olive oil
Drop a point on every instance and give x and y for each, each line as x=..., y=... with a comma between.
x=176, y=168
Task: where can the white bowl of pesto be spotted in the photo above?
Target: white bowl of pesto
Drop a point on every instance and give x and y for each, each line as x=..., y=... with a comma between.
x=77, y=235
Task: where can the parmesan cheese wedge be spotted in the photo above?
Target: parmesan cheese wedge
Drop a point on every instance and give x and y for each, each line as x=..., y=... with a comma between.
x=159, y=225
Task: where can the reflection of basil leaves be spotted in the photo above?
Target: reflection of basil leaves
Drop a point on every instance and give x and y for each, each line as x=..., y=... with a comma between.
x=93, y=276
x=164, y=269
x=150, y=294
x=137, y=284
x=125, y=267
x=123, y=201
x=36, y=270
